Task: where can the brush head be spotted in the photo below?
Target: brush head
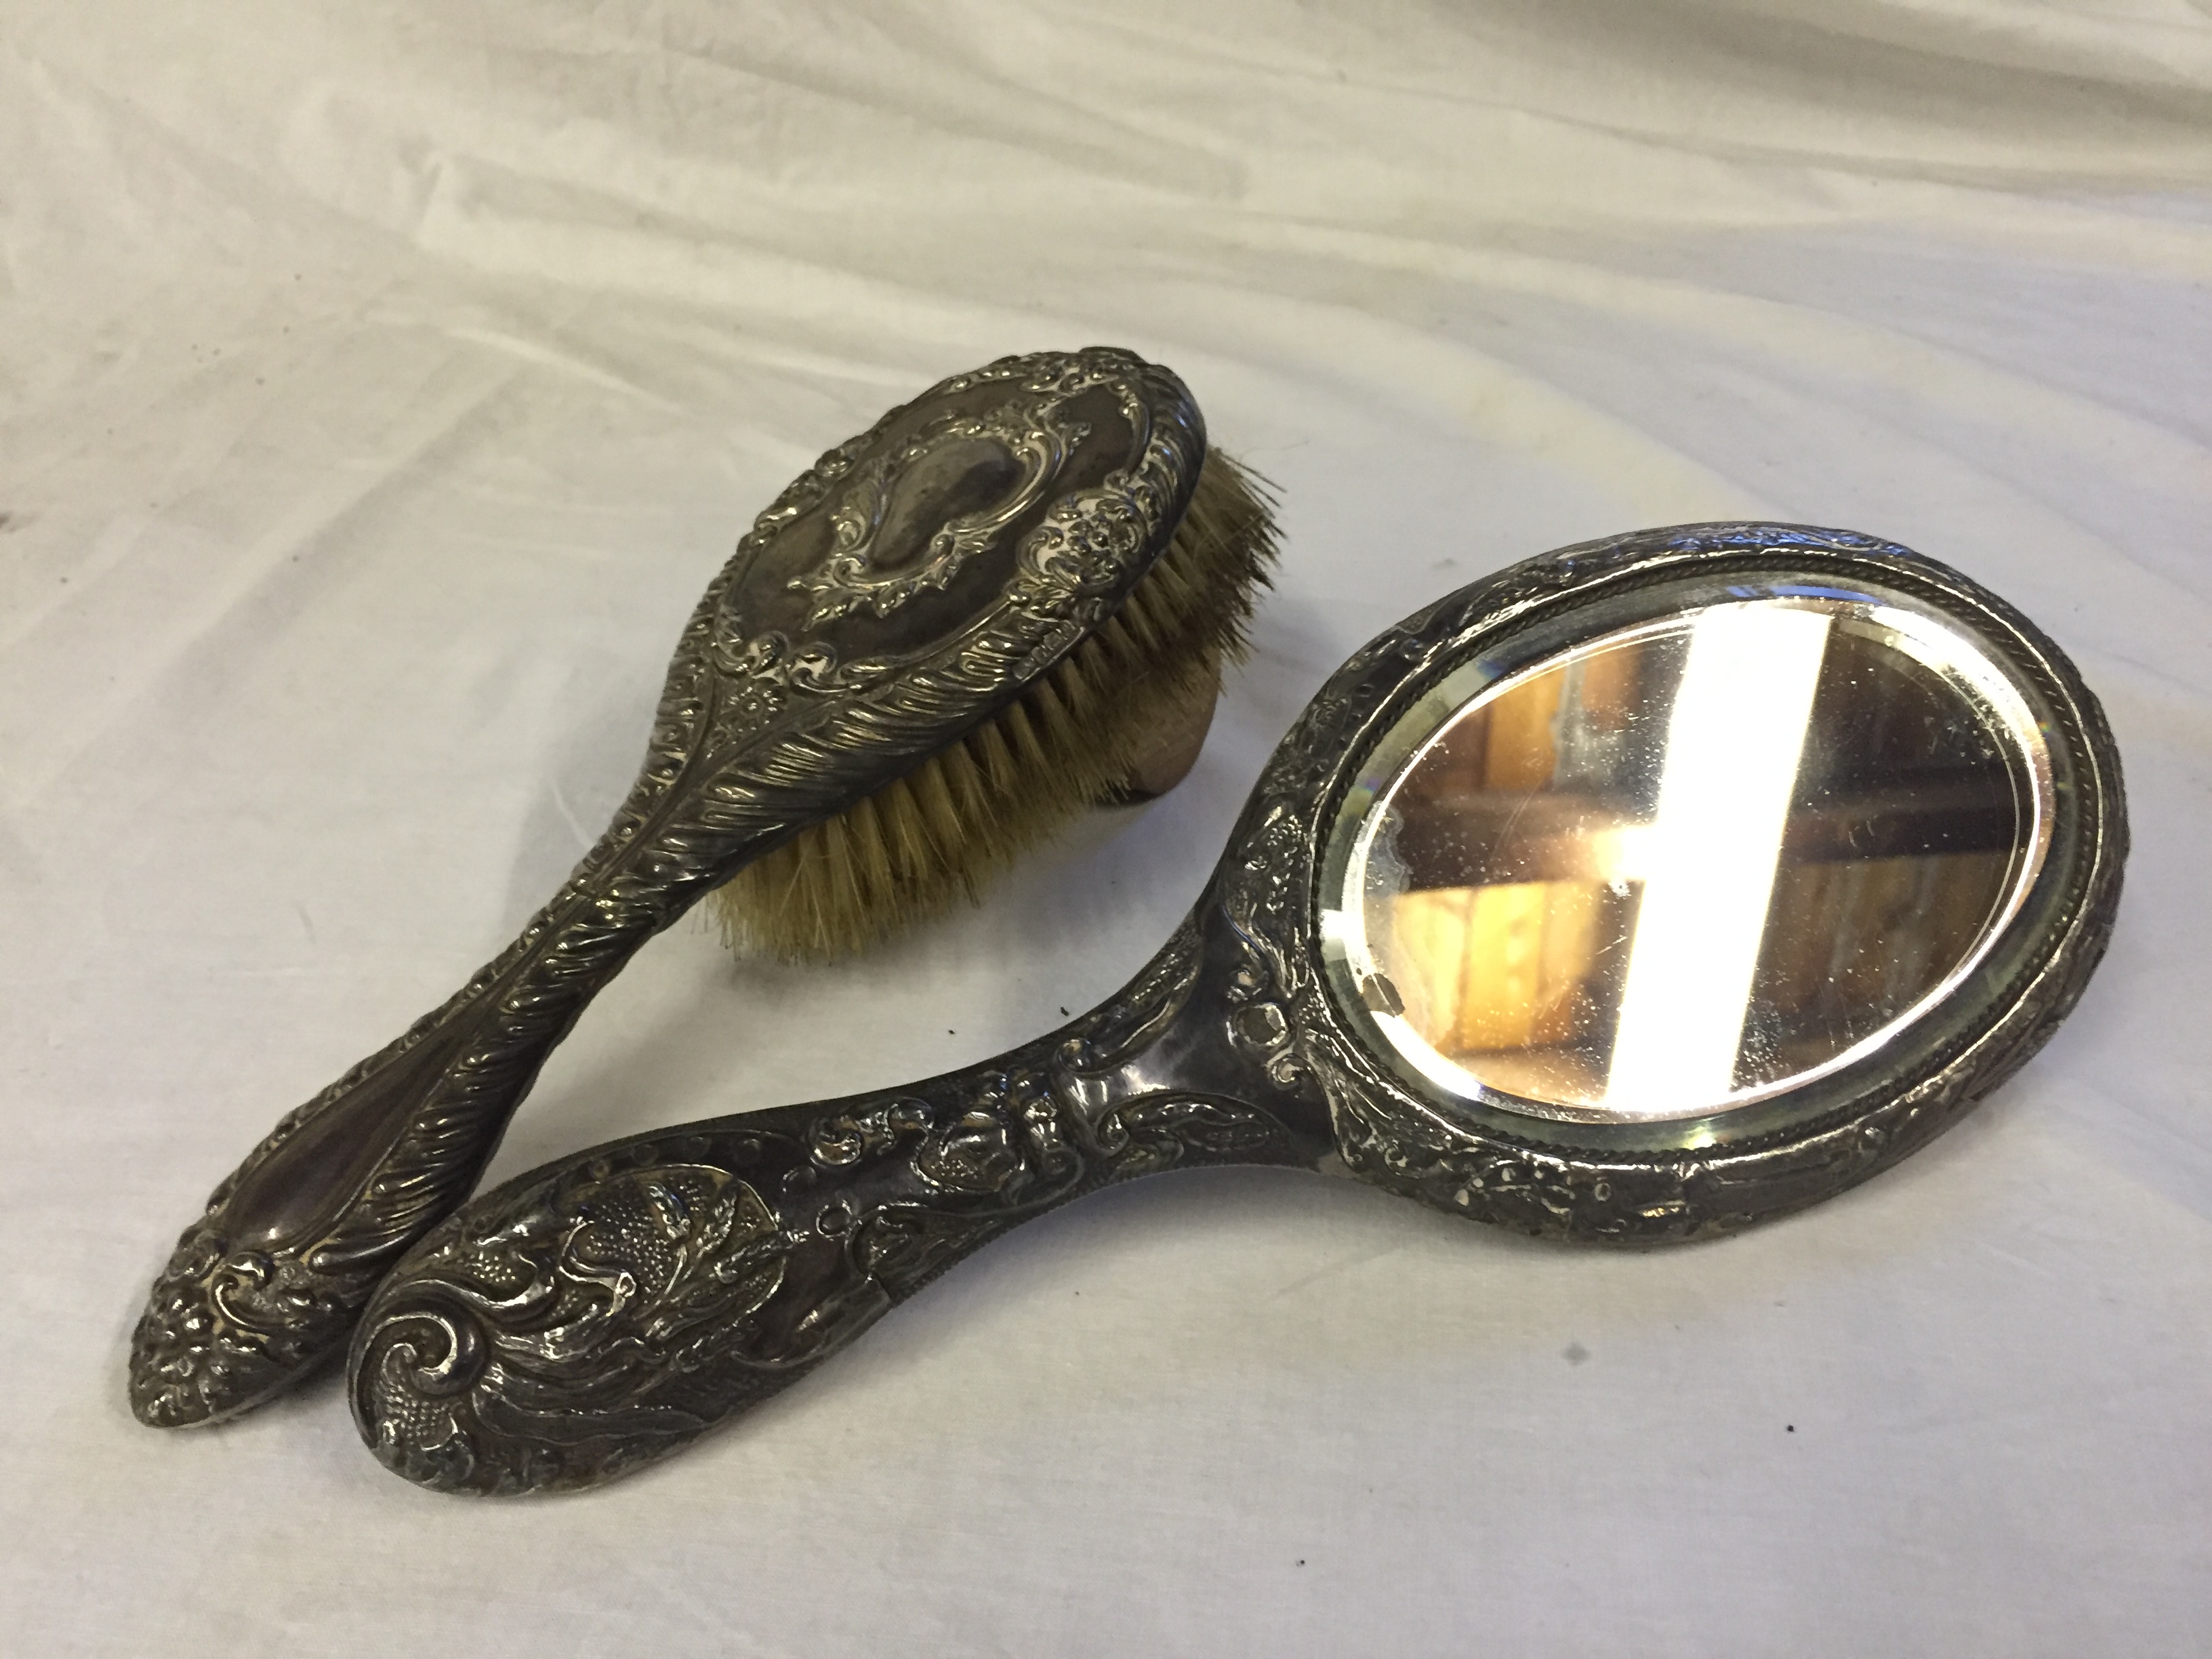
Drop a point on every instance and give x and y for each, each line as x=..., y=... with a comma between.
x=1120, y=715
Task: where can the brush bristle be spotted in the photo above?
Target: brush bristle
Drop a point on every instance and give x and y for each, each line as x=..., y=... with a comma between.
x=935, y=836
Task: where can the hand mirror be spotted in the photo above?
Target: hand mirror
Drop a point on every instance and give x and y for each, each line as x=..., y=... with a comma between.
x=1645, y=891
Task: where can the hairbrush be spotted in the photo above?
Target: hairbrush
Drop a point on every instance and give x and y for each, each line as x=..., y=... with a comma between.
x=1012, y=596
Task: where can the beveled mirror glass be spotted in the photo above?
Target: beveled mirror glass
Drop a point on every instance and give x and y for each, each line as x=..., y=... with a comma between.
x=1692, y=863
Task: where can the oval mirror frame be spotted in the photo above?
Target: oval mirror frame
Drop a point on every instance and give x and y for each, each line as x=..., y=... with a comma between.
x=1487, y=1155
x=1698, y=861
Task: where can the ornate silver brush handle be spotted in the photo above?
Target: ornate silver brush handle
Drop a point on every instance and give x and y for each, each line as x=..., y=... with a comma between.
x=604, y=1311
x=267, y=1282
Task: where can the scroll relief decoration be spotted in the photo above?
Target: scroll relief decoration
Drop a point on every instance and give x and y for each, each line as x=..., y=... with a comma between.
x=1039, y=438
x=229, y=1320
x=564, y=1330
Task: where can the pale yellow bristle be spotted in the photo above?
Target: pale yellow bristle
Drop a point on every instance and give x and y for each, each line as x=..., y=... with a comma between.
x=933, y=837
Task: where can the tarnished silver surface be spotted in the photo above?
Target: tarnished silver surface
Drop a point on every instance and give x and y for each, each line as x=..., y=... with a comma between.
x=600, y=1312
x=908, y=586
x=570, y=1325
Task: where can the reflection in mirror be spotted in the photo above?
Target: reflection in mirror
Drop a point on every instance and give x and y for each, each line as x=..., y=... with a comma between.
x=1688, y=865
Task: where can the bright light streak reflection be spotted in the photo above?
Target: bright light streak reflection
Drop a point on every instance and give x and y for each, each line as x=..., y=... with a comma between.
x=1733, y=742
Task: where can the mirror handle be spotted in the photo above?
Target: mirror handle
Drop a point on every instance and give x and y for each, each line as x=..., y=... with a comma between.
x=602, y=1311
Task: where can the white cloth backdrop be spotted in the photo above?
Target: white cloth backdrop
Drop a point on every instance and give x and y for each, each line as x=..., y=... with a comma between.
x=379, y=385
